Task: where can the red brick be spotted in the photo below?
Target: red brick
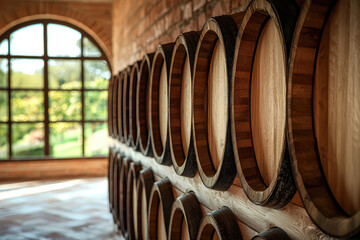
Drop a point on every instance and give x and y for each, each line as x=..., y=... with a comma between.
x=201, y=20
x=197, y=4
x=187, y=11
x=239, y=4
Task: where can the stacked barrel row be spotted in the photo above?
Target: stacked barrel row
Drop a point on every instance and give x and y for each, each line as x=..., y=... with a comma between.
x=144, y=208
x=271, y=93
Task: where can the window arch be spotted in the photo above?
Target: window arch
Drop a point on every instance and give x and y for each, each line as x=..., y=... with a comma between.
x=53, y=82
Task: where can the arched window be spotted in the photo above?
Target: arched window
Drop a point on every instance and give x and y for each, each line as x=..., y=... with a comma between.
x=53, y=81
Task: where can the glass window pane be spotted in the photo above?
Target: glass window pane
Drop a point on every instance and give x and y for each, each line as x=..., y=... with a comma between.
x=4, y=111
x=65, y=106
x=27, y=73
x=95, y=105
x=28, y=41
x=63, y=41
x=65, y=139
x=27, y=106
x=96, y=73
x=95, y=133
x=3, y=72
x=64, y=74
x=4, y=47
x=90, y=50
x=27, y=139
x=4, y=145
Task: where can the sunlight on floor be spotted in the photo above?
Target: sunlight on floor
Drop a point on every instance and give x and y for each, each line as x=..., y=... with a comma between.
x=70, y=209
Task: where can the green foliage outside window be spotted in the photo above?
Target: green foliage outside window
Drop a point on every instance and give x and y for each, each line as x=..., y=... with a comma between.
x=27, y=107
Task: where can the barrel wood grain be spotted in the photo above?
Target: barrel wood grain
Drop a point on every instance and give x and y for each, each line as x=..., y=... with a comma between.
x=142, y=105
x=125, y=166
x=110, y=102
x=337, y=104
x=111, y=179
x=134, y=76
x=219, y=30
x=119, y=106
x=161, y=200
x=116, y=189
x=180, y=104
x=114, y=105
x=144, y=187
x=253, y=157
x=131, y=201
x=309, y=169
x=125, y=105
x=158, y=103
x=185, y=217
x=219, y=224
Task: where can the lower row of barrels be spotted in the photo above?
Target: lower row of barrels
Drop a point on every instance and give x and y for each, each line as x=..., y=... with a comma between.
x=143, y=208
x=271, y=94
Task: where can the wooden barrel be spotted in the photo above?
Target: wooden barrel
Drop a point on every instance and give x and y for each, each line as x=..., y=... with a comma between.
x=180, y=104
x=114, y=111
x=259, y=102
x=219, y=224
x=145, y=183
x=125, y=106
x=210, y=91
x=116, y=190
x=134, y=76
x=125, y=166
x=110, y=102
x=158, y=103
x=185, y=217
x=161, y=200
x=142, y=105
x=131, y=200
x=323, y=114
x=111, y=179
x=274, y=233
x=119, y=106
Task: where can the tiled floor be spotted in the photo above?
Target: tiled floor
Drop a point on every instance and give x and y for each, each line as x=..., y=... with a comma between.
x=72, y=209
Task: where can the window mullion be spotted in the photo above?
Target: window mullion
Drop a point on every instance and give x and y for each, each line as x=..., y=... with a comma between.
x=9, y=101
x=46, y=95
x=82, y=95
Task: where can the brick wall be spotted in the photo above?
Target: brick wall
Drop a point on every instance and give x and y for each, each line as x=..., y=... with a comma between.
x=95, y=17
x=139, y=26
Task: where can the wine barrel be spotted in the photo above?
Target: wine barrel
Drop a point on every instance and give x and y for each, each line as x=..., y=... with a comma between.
x=131, y=200
x=125, y=166
x=114, y=104
x=145, y=183
x=110, y=102
x=185, y=217
x=116, y=190
x=111, y=179
x=125, y=105
x=323, y=114
x=259, y=102
x=219, y=224
x=158, y=103
x=274, y=233
x=142, y=105
x=134, y=76
x=161, y=200
x=211, y=120
x=180, y=127
x=119, y=106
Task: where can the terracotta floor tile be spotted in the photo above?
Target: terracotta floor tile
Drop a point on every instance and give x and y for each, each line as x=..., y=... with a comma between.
x=43, y=210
